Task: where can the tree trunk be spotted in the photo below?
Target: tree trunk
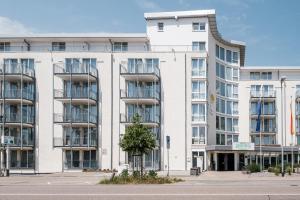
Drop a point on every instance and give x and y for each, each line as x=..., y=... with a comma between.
x=141, y=165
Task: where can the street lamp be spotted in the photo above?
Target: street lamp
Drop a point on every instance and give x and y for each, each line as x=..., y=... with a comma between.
x=282, y=80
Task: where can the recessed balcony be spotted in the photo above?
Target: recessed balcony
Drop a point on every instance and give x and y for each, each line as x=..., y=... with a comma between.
x=81, y=119
x=16, y=96
x=15, y=119
x=76, y=96
x=79, y=72
x=140, y=96
x=76, y=142
x=263, y=94
x=140, y=72
x=148, y=120
x=16, y=71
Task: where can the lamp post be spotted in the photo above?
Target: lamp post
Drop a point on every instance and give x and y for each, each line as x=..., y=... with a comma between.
x=282, y=81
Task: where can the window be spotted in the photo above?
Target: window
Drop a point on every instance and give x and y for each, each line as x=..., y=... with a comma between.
x=4, y=46
x=229, y=90
x=222, y=87
x=218, y=105
x=228, y=73
x=235, y=108
x=120, y=46
x=198, y=67
x=222, y=125
x=198, y=46
x=235, y=74
x=229, y=124
x=254, y=75
x=235, y=126
x=235, y=91
x=198, y=90
x=217, y=51
x=220, y=139
x=222, y=71
x=235, y=57
x=198, y=135
x=266, y=75
x=229, y=107
x=222, y=53
x=222, y=106
x=58, y=46
x=160, y=26
x=228, y=56
x=198, y=26
x=198, y=112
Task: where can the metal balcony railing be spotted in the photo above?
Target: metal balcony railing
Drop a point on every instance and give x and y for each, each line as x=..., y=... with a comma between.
x=16, y=68
x=18, y=141
x=81, y=68
x=80, y=164
x=140, y=69
x=198, y=118
x=264, y=130
x=26, y=164
x=82, y=117
x=76, y=141
x=18, y=94
x=140, y=93
x=16, y=118
x=144, y=118
x=263, y=93
x=76, y=94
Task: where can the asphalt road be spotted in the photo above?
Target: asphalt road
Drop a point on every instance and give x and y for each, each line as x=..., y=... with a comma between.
x=191, y=189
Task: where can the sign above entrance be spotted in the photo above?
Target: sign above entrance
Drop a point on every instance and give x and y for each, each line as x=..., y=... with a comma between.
x=245, y=146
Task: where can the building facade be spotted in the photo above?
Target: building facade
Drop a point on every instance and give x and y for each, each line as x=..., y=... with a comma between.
x=66, y=99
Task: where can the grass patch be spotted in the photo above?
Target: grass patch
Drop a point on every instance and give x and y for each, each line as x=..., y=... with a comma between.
x=150, y=178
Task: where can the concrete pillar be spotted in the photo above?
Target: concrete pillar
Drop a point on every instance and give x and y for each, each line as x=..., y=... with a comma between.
x=236, y=161
x=246, y=156
x=216, y=161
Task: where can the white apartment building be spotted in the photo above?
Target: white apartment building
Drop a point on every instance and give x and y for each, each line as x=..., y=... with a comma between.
x=66, y=99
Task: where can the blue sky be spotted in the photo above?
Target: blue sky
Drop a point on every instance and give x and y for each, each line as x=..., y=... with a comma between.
x=270, y=28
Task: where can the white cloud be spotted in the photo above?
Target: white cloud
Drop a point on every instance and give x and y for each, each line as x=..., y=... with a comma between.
x=148, y=5
x=9, y=26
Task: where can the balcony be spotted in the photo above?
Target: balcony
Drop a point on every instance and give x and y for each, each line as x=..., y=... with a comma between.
x=25, y=142
x=16, y=119
x=140, y=96
x=263, y=94
x=148, y=120
x=76, y=119
x=77, y=96
x=267, y=130
x=13, y=71
x=18, y=95
x=24, y=164
x=76, y=142
x=140, y=72
x=264, y=114
x=80, y=72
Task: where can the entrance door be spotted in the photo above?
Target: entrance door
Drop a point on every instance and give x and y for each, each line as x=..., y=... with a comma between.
x=225, y=162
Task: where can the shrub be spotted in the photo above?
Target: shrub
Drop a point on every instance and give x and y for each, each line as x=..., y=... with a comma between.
x=253, y=168
x=277, y=170
x=152, y=174
x=124, y=173
x=288, y=169
x=136, y=174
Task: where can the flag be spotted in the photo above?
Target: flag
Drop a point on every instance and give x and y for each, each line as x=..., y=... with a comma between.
x=292, y=120
x=258, y=117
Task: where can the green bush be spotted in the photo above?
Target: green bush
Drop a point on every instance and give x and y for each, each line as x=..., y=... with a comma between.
x=136, y=174
x=124, y=173
x=253, y=168
x=130, y=179
x=288, y=169
x=152, y=174
x=277, y=170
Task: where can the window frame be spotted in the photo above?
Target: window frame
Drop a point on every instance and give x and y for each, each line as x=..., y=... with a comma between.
x=160, y=26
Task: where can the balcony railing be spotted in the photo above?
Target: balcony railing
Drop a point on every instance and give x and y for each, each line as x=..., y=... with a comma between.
x=80, y=164
x=75, y=94
x=76, y=141
x=22, y=164
x=18, y=94
x=140, y=69
x=198, y=118
x=144, y=118
x=140, y=93
x=18, y=141
x=62, y=68
x=16, y=69
x=264, y=130
x=16, y=118
x=263, y=93
x=75, y=118
x=264, y=112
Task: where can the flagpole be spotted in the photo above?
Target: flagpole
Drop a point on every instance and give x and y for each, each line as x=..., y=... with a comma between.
x=260, y=152
x=292, y=135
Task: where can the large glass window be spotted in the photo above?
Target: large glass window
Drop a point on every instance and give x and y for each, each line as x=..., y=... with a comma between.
x=266, y=75
x=229, y=124
x=228, y=73
x=254, y=75
x=4, y=46
x=229, y=107
x=198, y=90
x=222, y=53
x=120, y=46
x=198, y=113
x=228, y=56
x=217, y=51
x=220, y=140
x=198, y=67
x=198, y=46
x=198, y=26
x=235, y=57
x=198, y=135
x=229, y=90
x=235, y=74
